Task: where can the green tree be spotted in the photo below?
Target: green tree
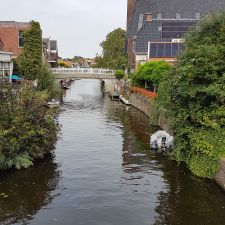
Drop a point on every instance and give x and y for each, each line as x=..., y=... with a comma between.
x=195, y=99
x=113, y=56
x=152, y=72
x=30, y=60
x=31, y=65
x=119, y=74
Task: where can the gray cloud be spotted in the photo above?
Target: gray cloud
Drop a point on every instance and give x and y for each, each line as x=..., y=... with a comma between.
x=78, y=25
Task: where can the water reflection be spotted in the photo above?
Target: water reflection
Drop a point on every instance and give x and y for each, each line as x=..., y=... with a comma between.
x=27, y=191
x=180, y=197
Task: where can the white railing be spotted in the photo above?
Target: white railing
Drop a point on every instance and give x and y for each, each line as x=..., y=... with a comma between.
x=90, y=71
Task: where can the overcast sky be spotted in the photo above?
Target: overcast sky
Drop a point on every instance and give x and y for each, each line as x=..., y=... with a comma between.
x=78, y=25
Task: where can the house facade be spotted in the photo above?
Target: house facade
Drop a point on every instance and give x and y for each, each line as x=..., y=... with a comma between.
x=156, y=28
x=11, y=35
x=50, y=51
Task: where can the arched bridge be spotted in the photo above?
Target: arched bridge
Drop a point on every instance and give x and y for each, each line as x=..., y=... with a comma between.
x=83, y=73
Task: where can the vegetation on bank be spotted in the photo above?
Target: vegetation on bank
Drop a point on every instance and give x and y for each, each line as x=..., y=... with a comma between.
x=28, y=129
x=113, y=56
x=192, y=97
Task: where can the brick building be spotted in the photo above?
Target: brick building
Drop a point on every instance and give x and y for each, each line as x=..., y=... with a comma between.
x=156, y=28
x=11, y=35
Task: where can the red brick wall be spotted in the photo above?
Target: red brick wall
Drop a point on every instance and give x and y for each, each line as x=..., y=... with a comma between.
x=10, y=39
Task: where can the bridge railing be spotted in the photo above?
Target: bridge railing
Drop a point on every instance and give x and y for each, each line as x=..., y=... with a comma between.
x=90, y=71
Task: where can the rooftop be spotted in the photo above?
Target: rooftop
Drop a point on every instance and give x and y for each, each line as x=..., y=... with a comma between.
x=14, y=24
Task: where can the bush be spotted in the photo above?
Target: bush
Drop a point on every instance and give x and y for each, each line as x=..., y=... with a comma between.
x=28, y=129
x=119, y=74
x=195, y=100
x=152, y=72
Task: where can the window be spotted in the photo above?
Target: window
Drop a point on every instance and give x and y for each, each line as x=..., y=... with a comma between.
x=1, y=65
x=165, y=50
x=159, y=28
x=6, y=65
x=20, y=39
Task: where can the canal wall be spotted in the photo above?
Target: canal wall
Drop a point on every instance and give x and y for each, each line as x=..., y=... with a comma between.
x=220, y=176
x=146, y=106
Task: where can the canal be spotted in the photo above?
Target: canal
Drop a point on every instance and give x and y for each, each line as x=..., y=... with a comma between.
x=103, y=173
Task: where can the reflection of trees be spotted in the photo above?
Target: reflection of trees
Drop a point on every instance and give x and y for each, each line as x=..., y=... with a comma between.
x=28, y=190
x=185, y=199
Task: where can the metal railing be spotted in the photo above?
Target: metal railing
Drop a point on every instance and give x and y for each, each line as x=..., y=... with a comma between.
x=90, y=71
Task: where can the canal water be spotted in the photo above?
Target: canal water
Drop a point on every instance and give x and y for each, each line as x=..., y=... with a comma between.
x=103, y=173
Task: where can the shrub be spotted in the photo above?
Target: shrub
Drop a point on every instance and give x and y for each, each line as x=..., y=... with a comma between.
x=119, y=74
x=28, y=129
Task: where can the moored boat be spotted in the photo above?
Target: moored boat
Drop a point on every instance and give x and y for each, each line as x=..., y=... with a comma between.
x=161, y=141
x=53, y=104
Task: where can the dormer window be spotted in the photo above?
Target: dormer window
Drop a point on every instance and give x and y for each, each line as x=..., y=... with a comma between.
x=159, y=16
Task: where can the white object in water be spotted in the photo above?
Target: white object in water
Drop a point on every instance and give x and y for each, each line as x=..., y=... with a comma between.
x=161, y=140
x=53, y=104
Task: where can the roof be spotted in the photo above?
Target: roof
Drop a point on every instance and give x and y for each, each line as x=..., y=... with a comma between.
x=14, y=24
x=161, y=10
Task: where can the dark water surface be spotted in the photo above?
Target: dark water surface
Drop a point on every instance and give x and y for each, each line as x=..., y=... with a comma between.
x=103, y=173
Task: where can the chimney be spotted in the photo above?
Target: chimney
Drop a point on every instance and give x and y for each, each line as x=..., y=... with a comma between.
x=130, y=9
x=148, y=17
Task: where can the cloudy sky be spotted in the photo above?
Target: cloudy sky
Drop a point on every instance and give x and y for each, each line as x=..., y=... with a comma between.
x=78, y=25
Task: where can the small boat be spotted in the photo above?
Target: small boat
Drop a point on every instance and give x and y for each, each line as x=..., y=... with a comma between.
x=53, y=104
x=114, y=95
x=124, y=100
x=66, y=86
x=161, y=141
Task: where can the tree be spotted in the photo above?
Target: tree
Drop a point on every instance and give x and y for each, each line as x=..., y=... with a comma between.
x=196, y=98
x=30, y=60
x=113, y=56
x=30, y=63
x=152, y=72
x=119, y=74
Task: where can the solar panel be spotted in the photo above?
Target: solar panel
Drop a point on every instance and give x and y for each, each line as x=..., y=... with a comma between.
x=168, y=50
x=175, y=49
x=165, y=50
x=161, y=50
x=153, y=50
x=176, y=29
